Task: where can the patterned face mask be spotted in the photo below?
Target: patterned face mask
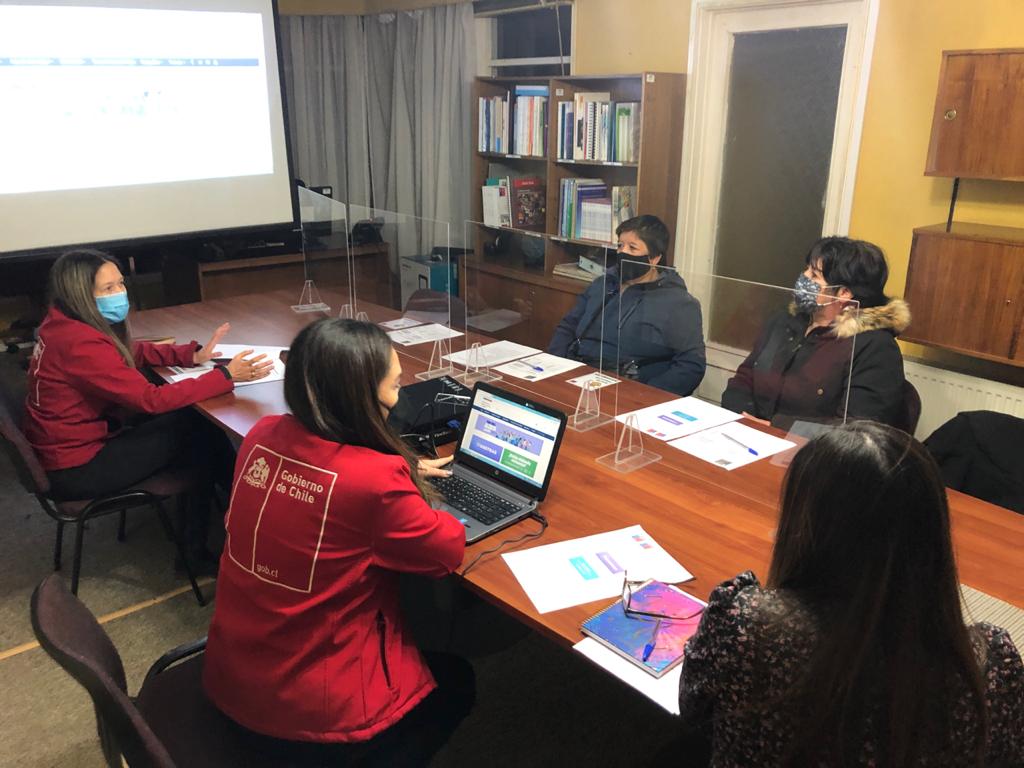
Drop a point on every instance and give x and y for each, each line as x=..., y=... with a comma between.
x=805, y=294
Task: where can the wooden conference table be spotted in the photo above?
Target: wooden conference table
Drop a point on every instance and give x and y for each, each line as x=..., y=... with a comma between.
x=716, y=523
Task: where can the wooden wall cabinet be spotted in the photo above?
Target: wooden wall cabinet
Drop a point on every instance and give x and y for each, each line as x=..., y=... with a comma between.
x=965, y=282
x=978, y=123
x=966, y=290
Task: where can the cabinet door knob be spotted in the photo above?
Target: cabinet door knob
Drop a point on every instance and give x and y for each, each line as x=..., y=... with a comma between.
x=1009, y=301
x=950, y=114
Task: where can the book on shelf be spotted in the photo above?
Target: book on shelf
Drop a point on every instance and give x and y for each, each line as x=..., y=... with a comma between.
x=573, y=271
x=593, y=127
x=655, y=645
x=529, y=203
x=497, y=206
x=623, y=205
x=590, y=210
x=530, y=120
x=493, y=116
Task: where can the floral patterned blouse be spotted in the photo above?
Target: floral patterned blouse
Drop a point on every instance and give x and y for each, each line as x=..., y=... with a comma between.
x=748, y=633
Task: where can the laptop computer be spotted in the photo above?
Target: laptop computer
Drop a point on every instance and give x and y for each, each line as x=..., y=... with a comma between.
x=503, y=461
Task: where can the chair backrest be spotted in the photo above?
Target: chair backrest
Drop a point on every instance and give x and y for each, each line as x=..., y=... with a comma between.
x=70, y=634
x=30, y=472
x=910, y=408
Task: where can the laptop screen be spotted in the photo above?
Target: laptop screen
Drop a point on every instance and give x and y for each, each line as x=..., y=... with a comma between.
x=513, y=437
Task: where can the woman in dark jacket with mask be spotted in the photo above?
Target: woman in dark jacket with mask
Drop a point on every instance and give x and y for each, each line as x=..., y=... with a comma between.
x=638, y=320
x=839, y=334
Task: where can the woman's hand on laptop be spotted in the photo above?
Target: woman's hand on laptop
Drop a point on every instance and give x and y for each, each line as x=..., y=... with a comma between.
x=433, y=467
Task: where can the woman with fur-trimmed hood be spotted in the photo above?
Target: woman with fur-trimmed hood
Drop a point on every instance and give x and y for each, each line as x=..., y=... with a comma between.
x=800, y=366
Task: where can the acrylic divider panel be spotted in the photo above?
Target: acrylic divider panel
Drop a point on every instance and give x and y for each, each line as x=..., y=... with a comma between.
x=327, y=286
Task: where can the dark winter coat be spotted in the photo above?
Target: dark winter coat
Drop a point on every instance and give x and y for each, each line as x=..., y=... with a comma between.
x=979, y=454
x=650, y=331
x=791, y=375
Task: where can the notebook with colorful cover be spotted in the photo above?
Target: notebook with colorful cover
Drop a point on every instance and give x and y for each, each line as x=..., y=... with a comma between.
x=628, y=635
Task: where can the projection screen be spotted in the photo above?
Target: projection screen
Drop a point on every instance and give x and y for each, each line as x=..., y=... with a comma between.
x=129, y=119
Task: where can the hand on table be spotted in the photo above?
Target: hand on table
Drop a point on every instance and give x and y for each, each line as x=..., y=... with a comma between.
x=209, y=352
x=762, y=422
x=245, y=368
x=432, y=467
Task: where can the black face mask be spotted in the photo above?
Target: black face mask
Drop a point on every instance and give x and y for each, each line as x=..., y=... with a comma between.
x=629, y=266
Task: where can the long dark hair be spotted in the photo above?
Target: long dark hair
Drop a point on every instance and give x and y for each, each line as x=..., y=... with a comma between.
x=864, y=542
x=334, y=370
x=71, y=290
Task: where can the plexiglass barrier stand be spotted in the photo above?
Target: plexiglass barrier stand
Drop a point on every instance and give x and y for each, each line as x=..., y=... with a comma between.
x=327, y=266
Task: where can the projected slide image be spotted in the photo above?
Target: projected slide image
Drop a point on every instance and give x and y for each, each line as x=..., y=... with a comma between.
x=110, y=97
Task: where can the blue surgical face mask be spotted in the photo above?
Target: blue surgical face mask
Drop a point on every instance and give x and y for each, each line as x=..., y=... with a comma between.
x=113, y=307
x=805, y=294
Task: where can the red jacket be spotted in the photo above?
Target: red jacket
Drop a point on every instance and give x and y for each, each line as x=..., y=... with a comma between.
x=306, y=641
x=77, y=378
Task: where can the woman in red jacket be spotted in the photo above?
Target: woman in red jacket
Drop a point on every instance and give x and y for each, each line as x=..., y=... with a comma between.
x=85, y=389
x=307, y=643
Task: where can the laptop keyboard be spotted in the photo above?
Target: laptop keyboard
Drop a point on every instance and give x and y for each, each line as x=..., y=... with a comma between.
x=476, y=502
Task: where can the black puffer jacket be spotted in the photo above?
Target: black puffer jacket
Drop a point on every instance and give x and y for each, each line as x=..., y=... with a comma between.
x=791, y=374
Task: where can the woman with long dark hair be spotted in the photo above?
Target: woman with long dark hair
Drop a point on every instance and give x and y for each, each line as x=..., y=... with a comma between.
x=86, y=391
x=856, y=652
x=307, y=643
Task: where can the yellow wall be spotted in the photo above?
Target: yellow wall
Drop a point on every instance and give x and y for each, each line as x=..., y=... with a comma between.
x=616, y=37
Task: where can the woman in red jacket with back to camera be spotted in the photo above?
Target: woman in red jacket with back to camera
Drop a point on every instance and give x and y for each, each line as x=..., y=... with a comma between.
x=307, y=643
x=85, y=393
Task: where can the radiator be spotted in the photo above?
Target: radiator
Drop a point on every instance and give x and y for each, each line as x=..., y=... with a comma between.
x=945, y=393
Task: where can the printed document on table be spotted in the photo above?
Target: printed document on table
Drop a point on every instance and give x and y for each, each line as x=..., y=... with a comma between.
x=495, y=320
x=180, y=373
x=593, y=381
x=400, y=323
x=422, y=334
x=568, y=573
x=732, y=445
x=679, y=418
x=537, y=367
x=663, y=691
x=492, y=354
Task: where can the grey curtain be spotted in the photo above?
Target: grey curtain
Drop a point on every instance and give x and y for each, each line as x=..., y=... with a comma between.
x=379, y=106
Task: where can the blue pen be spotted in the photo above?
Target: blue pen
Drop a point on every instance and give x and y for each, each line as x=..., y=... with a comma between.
x=649, y=648
x=750, y=450
x=537, y=368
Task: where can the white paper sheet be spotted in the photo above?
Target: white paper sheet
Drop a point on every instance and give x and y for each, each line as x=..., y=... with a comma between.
x=568, y=573
x=678, y=418
x=179, y=373
x=422, y=334
x=663, y=691
x=495, y=320
x=538, y=367
x=493, y=354
x=732, y=445
x=400, y=323
x=600, y=380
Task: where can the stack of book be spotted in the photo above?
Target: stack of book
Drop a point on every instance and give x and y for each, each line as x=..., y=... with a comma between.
x=531, y=122
x=591, y=210
x=593, y=127
x=515, y=201
x=493, y=124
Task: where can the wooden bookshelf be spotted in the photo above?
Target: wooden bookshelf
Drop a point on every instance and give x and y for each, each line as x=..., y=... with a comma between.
x=655, y=176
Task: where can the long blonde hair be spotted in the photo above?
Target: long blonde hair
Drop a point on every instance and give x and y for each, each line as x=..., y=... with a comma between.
x=72, y=281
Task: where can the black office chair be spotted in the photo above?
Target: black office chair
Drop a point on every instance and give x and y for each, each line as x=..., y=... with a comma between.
x=151, y=492
x=171, y=722
x=910, y=413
